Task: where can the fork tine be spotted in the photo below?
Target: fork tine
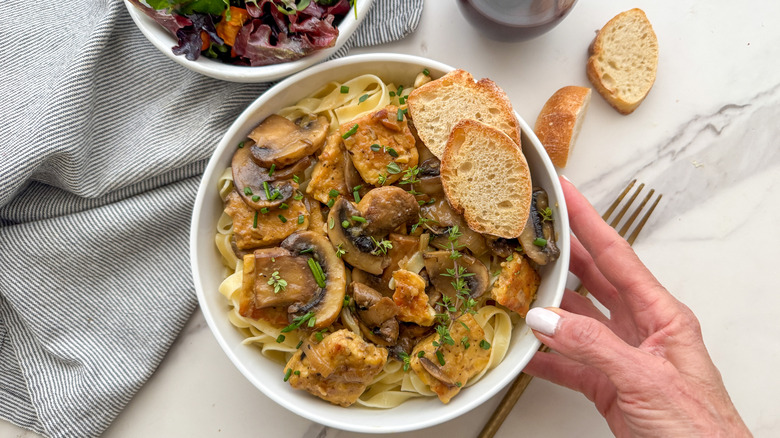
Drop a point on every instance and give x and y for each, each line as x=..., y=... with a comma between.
x=614, y=205
x=633, y=235
x=636, y=212
x=625, y=208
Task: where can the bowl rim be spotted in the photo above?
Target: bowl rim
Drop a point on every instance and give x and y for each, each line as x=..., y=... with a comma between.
x=205, y=189
x=164, y=42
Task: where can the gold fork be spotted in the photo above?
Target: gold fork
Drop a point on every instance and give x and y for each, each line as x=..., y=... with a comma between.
x=522, y=381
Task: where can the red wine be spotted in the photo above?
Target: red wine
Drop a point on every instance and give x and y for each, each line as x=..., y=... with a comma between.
x=514, y=20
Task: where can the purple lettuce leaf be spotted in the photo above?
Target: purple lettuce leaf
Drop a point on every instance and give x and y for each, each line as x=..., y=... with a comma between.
x=172, y=22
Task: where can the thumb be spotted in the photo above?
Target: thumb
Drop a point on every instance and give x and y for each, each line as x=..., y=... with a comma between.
x=589, y=342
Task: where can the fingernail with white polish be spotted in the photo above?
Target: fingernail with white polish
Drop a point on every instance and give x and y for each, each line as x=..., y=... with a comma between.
x=542, y=320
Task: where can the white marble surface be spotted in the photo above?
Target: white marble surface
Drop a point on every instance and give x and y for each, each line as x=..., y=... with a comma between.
x=707, y=137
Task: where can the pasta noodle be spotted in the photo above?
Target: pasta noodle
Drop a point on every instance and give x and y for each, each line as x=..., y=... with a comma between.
x=341, y=103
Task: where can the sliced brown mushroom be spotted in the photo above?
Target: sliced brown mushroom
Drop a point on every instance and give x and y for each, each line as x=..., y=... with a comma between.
x=538, y=236
x=502, y=247
x=386, y=208
x=436, y=372
x=258, y=188
x=404, y=247
x=376, y=315
x=359, y=248
x=373, y=281
x=318, y=253
x=441, y=218
x=281, y=142
x=359, y=230
x=437, y=263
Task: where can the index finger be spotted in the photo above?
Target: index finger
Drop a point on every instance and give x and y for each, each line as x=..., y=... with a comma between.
x=614, y=257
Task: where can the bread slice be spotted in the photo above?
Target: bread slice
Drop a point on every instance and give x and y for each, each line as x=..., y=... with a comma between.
x=559, y=122
x=486, y=178
x=624, y=59
x=440, y=104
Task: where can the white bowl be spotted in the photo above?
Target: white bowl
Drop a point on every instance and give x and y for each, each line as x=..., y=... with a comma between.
x=164, y=41
x=267, y=375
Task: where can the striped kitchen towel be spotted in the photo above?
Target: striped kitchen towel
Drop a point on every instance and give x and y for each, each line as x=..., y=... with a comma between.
x=102, y=143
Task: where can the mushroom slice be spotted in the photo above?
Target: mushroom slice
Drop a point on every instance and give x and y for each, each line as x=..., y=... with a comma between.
x=360, y=248
x=282, y=142
x=264, y=272
x=318, y=254
x=441, y=218
x=258, y=188
x=404, y=248
x=376, y=315
x=439, y=265
x=538, y=236
x=387, y=208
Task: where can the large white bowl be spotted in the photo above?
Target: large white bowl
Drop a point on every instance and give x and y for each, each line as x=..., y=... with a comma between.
x=267, y=375
x=164, y=41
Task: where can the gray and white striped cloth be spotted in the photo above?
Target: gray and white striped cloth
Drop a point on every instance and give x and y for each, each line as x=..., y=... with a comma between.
x=102, y=143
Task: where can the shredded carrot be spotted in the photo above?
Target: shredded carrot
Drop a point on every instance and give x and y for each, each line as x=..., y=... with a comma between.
x=206, y=41
x=227, y=29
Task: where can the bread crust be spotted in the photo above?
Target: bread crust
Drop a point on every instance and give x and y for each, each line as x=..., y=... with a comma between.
x=494, y=193
x=557, y=125
x=599, y=62
x=440, y=104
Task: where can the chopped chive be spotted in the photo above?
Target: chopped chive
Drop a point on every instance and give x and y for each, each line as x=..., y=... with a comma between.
x=297, y=321
x=241, y=145
x=356, y=193
x=280, y=339
x=247, y=191
x=264, y=210
x=362, y=98
x=255, y=198
x=426, y=72
x=375, y=147
x=400, y=90
x=254, y=223
x=298, y=195
x=362, y=220
x=297, y=373
x=282, y=218
x=296, y=179
x=331, y=223
x=287, y=374
x=440, y=357
x=392, y=94
x=319, y=276
x=392, y=152
x=299, y=345
x=357, y=187
x=267, y=190
x=345, y=224
x=333, y=193
x=284, y=206
x=300, y=219
x=540, y=242
x=275, y=194
x=271, y=170
x=485, y=345
x=351, y=131
x=330, y=203
x=344, y=89
x=393, y=168
x=400, y=115
x=307, y=250
x=420, y=353
x=510, y=258
x=312, y=320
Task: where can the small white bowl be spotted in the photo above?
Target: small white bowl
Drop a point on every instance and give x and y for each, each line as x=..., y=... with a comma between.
x=164, y=41
x=266, y=375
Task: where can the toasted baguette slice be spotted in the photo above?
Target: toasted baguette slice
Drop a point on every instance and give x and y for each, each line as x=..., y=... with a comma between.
x=623, y=60
x=438, y=105
x=486, y=178
x=559, y=122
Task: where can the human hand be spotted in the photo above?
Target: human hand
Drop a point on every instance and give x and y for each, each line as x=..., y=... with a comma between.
x=645, y=366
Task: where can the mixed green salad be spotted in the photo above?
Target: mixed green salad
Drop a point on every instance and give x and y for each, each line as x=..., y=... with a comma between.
x=249, y=32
